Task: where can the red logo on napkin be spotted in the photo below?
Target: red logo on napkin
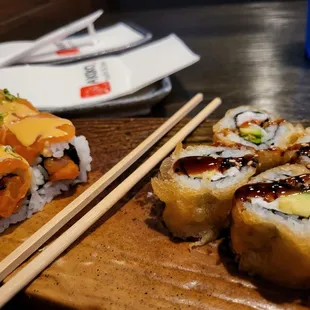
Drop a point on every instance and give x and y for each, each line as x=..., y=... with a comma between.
x=68, y=52
x=95, y=90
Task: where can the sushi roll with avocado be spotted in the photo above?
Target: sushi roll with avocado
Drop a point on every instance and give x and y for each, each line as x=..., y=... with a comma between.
x=271, y=226
x=259, y=130
x=197, y=184
x=299, y=152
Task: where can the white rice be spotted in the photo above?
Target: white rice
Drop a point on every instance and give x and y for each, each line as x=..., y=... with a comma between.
x=218, y=180
x=303, y=141
x=41, y=192
x=82, y=148
x=231, y=177
x=292, y=222
x=231, y=172
x=305, y=160
x=305, y=138
x=58, y=149
x=264, y=209
x=250, y=115
x=38, y=178
x=203, y=150
x=278, y=173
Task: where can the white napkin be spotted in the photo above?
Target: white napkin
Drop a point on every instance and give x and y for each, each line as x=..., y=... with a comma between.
x=100, y=79
x=115, y=37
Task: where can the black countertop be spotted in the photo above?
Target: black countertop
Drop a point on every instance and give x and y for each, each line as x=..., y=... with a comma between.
x=251, y=53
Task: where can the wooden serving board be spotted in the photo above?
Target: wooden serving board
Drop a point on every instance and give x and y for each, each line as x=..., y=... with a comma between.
x=127, y=260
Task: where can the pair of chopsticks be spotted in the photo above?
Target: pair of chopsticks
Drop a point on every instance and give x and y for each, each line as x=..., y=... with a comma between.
x=52, y=251
x=54, y=36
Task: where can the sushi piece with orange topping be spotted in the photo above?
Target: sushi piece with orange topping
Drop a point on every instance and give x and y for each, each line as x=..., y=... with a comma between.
x=34, y=135
x=15, y=181
x=48, y=145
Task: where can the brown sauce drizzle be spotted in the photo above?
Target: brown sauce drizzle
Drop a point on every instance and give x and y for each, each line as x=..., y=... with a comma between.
x=276, y=122
x=199, y=164
x=301, y=147
x=272, y=191
x=304, y=151
x=252, y=122
x=262, y=123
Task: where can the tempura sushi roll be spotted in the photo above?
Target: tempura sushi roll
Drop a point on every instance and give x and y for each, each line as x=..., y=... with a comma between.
x=299, y=152
x=58, y=158
x=197, y=184
x=271, y=227
x=269, y=135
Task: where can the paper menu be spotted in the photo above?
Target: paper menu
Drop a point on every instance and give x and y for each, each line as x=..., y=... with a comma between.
x=113, y=38
x=98, y=80
x=54, y=36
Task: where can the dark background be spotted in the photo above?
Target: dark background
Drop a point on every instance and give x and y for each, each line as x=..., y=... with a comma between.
x=30, y=16
x=129, y=5
x=252, y=52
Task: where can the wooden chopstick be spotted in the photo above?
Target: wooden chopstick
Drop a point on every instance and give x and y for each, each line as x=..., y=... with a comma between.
x=20, y=254
x=39, y=263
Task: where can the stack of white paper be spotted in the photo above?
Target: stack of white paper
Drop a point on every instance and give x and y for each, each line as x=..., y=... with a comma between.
x=98, y=80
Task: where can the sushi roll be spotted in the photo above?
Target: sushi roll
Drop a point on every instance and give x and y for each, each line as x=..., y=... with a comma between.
x=15, y=181
x=43, y=138
x=299, y=152
x=259, y=130
x=57, y=157
x=271, y=226
x=197, y=184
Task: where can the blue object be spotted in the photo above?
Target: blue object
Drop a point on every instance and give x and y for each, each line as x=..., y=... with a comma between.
x=307, y=45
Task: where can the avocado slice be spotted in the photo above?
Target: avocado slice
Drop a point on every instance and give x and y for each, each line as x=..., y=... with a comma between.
x=253, y=131
x=298, y=204
x=203, y=175
x=253, y=139
x=252, y=134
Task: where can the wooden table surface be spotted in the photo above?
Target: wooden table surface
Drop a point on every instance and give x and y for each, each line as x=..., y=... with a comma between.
x=251, y=53
x=127, y=260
